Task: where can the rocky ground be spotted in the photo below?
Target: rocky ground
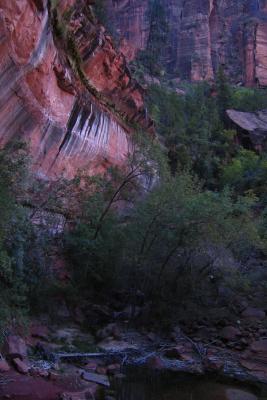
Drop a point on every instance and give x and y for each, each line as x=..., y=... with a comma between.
x=68, y=363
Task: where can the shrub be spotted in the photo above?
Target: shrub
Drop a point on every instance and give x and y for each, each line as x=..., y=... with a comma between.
x=247, y=172
x=246, y=99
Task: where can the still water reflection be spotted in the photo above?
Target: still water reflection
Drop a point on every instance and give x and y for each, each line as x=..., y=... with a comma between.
x=155, y=389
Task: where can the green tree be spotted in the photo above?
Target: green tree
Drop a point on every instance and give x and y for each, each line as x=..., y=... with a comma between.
x=248, y=99
x=164, y=247
x=13, y=175
x=192, y=130
x=97, y=240
x=247, y=172
x=224, y=93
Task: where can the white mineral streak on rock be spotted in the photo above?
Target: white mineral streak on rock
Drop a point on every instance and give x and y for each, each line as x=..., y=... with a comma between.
x=98, y=134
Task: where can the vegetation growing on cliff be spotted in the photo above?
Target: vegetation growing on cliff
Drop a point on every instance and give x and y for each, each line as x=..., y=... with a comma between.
x=101, y=14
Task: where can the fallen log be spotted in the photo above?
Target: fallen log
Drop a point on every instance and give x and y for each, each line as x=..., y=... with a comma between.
x=121, y=354
x=79, y=355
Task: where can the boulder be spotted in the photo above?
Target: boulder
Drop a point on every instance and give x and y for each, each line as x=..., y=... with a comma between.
x=175, y=352
x=259, y=348
x=74, y=396
x=15, y=347
x=21, y=366
x=101, y=370
x=89, y=393
x=39, y=372
x=253, y=313
x=113, y=369
x=252, y=365
x=255, y=359
x=65, y=335
x=187, y=357
x=213, y=364
x=96, y=378
x=155, y=362
x=39, y=331
x=182, y=353
x=109, y=330
x=54, y=376
x=91, y=366
x=152, y=337
x=253, y=125
x=4, y=367
x=230, y=333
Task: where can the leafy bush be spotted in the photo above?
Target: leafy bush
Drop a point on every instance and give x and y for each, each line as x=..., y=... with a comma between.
x=246, y=99
x=247, y=172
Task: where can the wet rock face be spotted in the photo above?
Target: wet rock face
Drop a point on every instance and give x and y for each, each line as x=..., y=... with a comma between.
x=45, y=102
x=200, y=35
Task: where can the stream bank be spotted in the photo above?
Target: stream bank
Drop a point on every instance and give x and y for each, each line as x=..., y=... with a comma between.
x=67, y=363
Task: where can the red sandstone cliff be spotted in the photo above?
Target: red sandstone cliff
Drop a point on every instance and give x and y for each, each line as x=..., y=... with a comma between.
x=201, y=35
x=64, y=87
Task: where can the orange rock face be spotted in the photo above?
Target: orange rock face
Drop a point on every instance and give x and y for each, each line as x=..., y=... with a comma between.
x=261, y=53
x=44, y=101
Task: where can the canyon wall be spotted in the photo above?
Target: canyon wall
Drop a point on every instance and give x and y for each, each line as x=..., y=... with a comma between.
x=64, y=88
x=199, y=36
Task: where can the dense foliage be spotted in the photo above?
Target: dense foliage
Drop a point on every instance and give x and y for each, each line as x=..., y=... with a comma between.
x=196, y=225
x=199, y=137
x=12, y=234
x=171, y=228
x=24, y=246
x=175, y=246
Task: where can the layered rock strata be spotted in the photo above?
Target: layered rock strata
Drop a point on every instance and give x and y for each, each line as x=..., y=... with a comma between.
x=64, y=88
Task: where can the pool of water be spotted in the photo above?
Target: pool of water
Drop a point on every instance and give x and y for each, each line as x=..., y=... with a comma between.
x=158, y=388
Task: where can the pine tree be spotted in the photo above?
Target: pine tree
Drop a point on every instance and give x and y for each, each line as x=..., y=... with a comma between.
x=223, y=93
